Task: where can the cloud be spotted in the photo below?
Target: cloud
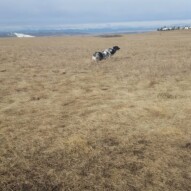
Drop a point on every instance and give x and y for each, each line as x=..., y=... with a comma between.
x=93, y=11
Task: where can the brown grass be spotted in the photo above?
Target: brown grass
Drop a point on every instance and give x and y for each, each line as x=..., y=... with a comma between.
x=67, y=123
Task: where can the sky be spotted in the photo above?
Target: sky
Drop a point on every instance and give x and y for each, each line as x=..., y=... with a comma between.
x=91, y=11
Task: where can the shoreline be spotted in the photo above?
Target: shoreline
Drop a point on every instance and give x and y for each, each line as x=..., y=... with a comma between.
x=107, y=35
x=103, y=35
x=62, y=34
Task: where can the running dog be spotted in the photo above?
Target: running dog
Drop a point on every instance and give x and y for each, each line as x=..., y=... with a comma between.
x=98, y=56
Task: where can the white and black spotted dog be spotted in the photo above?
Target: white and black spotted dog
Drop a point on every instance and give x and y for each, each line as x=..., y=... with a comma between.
x=98, y=56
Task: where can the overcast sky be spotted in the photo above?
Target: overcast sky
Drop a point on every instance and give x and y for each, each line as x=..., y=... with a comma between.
x=91, y=11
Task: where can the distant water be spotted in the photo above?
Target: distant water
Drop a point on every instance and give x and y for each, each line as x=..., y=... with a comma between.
x=89, y=29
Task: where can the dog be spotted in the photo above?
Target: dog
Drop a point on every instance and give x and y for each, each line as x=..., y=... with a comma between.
x=98, y=56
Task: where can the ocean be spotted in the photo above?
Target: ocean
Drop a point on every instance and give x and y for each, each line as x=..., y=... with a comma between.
x=88, y=29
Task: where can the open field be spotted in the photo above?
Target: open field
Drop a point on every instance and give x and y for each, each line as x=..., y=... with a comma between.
x=69, y=124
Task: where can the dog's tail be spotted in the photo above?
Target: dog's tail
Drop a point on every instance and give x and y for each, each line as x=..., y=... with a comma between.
x=97, y=56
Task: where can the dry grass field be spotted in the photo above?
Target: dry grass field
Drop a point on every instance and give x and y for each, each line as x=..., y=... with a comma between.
x=69, y=124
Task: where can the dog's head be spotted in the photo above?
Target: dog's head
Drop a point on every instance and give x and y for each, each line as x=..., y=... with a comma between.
x=116, y=48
